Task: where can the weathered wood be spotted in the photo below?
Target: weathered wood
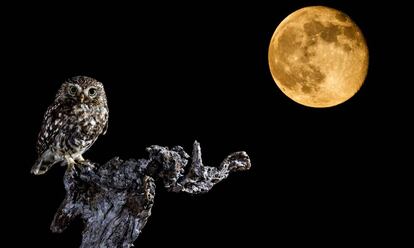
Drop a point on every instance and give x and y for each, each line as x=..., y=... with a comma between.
x=115, y=200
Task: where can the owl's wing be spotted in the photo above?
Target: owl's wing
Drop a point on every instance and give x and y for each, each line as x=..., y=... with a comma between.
x=53, y=120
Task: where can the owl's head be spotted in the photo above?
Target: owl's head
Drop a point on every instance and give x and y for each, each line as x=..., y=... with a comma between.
x=82, y=89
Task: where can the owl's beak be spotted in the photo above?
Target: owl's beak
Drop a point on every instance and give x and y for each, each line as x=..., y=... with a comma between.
x=82, y=97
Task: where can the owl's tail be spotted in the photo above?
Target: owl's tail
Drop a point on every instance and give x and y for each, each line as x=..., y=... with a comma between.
x=42, y=166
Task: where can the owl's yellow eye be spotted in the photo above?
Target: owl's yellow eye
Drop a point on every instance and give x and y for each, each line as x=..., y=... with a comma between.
x=73, y=90
x=92, y=92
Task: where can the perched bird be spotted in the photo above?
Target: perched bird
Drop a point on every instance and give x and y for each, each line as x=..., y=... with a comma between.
x=78, y=115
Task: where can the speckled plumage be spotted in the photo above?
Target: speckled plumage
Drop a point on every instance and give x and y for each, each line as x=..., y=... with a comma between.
x=78, y=115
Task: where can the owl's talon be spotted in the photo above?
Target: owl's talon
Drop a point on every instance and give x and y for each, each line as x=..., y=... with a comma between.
x=90, y=167
x=87, y=164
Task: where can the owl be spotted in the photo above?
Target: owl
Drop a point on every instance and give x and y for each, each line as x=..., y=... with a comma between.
x=78, y=115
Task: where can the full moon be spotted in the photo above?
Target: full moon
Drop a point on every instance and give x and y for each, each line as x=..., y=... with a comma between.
x=318, y=57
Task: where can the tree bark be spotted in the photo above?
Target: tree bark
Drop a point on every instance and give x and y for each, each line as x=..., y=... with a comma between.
x=115, y=200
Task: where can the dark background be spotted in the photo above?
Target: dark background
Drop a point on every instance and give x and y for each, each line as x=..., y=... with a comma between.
x=178, y=73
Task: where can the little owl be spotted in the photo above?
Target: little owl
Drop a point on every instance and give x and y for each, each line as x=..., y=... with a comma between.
x=78, y=115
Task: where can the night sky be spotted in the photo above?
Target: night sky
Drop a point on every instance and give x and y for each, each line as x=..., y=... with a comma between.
x=178, y=73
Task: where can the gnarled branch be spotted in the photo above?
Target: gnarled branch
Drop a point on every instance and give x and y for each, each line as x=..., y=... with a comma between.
x=115, y=200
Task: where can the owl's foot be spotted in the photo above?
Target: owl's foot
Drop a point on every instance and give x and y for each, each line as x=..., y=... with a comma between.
x=88, y=164
x=83, y=162
x=78, y=160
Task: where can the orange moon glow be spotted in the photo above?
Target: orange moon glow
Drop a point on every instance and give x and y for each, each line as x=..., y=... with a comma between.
x=318, y=57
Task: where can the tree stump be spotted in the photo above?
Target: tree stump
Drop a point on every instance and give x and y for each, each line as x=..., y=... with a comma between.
x=114, y=200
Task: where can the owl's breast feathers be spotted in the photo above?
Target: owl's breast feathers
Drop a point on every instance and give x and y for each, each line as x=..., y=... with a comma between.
x=90, y=119
x=71, y=128
x=86, y=124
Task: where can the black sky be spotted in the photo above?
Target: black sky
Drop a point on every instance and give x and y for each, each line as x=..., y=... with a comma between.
x=176, y=73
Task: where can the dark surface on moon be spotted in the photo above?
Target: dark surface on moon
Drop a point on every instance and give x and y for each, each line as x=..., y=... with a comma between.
x=342, y=17
x=306, y=75
x=330, y=33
